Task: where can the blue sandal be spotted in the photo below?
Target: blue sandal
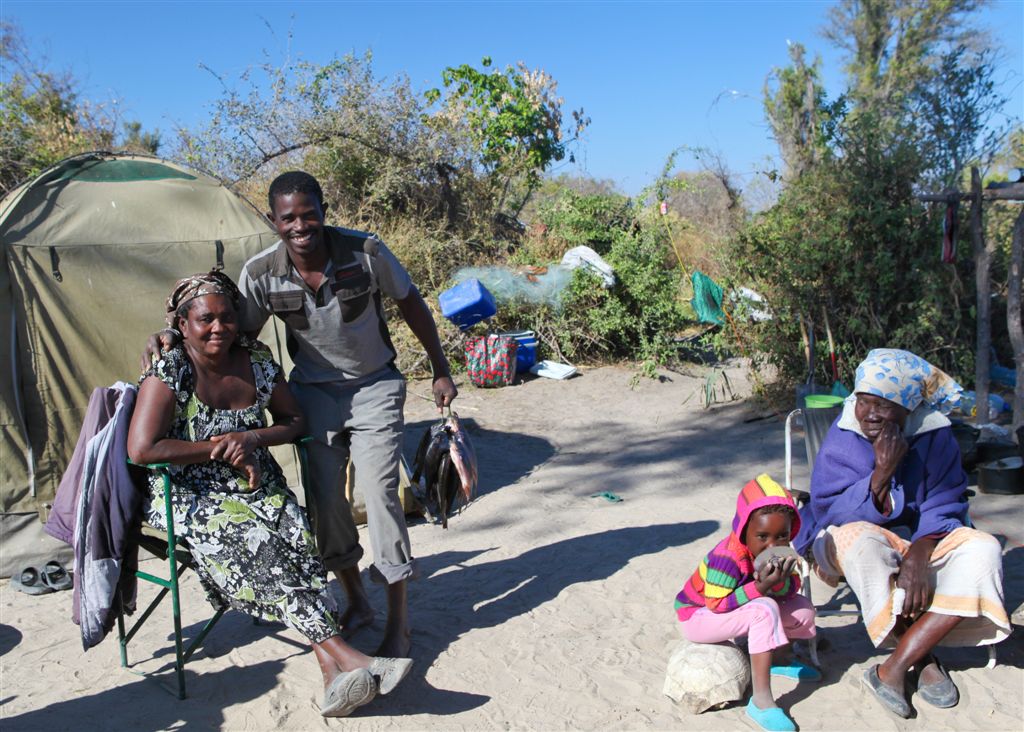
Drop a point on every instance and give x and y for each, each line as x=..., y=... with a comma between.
x=30, y=581
x=772, y=719
x=797, y=670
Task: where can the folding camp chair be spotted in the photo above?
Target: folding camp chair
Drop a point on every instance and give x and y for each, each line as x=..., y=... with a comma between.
x=816, y=423
x=179, y=560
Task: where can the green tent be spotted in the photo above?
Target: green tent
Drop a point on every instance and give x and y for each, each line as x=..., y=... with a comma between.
x=91, y=248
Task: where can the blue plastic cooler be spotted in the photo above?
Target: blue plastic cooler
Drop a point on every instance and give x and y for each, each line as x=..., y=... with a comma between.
x=526, y=352
x=467, y=303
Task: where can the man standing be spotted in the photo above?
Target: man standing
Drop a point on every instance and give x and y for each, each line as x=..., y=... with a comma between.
x=326, y=284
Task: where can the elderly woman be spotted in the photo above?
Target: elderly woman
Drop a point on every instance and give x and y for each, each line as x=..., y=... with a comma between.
x=890, y=464
x=201, y=408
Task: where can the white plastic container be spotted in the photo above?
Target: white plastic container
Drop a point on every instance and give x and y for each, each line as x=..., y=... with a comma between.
x=553, y=370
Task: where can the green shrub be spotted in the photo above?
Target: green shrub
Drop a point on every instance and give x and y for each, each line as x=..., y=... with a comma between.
x=579, y=219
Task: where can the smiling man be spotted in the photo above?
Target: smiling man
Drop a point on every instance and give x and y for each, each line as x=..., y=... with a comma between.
x=327, y=284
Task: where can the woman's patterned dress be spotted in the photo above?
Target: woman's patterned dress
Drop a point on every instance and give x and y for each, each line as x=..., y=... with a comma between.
x=254, y=549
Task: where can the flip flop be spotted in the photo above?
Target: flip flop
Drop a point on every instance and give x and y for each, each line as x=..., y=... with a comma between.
x=889, y=697
x=608, y=496
x=30, y=581
x=772, y=719
x=797, y=670
x=55, y=576
x=942, y=694
x=347, y=692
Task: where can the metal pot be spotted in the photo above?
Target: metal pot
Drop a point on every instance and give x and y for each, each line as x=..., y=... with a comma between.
x=989, y=451
x=1002, y=476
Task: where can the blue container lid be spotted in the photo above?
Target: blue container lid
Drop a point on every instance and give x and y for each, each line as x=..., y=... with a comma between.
x=467, y=303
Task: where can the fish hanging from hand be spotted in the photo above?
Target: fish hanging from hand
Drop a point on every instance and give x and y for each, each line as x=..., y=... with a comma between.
x=463, y=457
x=445, y=472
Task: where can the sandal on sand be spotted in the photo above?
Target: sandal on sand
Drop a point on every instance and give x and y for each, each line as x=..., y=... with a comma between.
x=30, y=581
x=797, y=670
x=772, y=719
x=55, y=576
x=389, y=672
x=889, y=697
x=348, y=691
x=942, y=694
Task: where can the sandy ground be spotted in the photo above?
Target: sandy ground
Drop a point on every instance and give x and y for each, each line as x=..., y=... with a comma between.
x=540, y=608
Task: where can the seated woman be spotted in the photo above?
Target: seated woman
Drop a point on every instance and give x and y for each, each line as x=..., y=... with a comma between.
x=201, y=409
x=890, y=462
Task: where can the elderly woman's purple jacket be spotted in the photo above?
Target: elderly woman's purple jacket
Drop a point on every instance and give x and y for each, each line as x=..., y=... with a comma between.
x=928, y=489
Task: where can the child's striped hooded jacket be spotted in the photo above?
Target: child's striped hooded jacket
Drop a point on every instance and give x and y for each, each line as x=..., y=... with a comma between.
x=724, y=580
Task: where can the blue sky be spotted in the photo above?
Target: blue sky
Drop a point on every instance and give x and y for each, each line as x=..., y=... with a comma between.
x=651, y=75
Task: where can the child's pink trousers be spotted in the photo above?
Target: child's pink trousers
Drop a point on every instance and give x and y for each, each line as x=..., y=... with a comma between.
x=766, y=622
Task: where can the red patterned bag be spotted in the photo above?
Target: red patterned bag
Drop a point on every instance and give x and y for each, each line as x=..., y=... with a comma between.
x=491, y=360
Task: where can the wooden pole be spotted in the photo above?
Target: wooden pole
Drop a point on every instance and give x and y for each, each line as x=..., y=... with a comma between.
x=1014, y=192
x=983, y=280
x=1013, y=318
x=983, y=283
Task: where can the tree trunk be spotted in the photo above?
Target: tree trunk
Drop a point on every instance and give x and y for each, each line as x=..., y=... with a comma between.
x=451, y=205
x=1013, y=319
x=983, y=280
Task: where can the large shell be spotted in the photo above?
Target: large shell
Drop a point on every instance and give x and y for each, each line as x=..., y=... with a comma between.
x=705, y=675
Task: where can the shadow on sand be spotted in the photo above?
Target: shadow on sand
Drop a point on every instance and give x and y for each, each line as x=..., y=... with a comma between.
x=143, y=705
x=10, y=637
x=451, y=588
x=504, y=457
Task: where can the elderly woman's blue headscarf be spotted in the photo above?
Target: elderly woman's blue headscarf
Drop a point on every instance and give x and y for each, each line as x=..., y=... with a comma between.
x=906, y=379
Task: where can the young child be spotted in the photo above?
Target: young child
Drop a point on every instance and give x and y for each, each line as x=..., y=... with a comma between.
x=725, y=598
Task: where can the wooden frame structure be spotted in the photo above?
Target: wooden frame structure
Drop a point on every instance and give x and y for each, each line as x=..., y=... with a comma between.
x=983, y=281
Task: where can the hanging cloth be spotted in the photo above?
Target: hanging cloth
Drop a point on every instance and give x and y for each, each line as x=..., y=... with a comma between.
x=707, y=299
x=950, y=225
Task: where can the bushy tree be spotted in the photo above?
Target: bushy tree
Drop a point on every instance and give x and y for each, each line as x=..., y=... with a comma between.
x=43, y=120
x=384, y=152
x=848, y=234
x=849, y=238
x=795, y=105
x=38, y=114
x=362, y=136
x=514, y=117
x=894, y=45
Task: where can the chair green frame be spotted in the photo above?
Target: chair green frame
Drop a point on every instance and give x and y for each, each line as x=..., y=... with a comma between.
x=179, y=560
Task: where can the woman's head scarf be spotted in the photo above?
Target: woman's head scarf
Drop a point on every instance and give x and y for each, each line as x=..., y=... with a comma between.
x=188, y=288
x=906, y=379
